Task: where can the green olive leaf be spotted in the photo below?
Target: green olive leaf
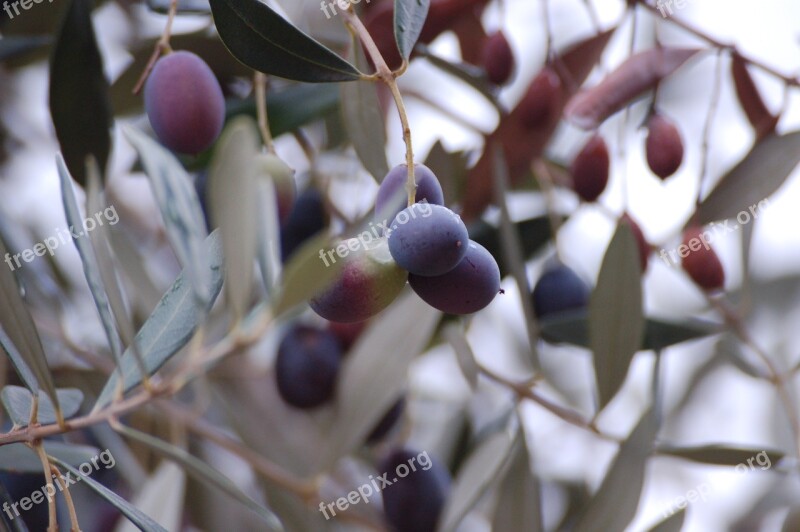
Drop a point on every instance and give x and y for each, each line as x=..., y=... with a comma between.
x=265, y=41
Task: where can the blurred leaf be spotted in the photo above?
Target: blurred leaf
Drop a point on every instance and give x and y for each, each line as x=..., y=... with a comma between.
x=519, y=499
x=269, y=235
x=91, y=269
x=513, y=253
x=533, y=234
x=454, y=333
x=18, y=458
x=474, y=478
x=170, y=327
x=18, y=361
x=752, y=180
x=95, y=203
x=571, y=327
x=12, y=525
x=792, y=523
x=134, y=515
x=673, y=523
x=160, y=496
x=637, y=74
x=180, y=208
x=305, y=275
x=616, y=323
x=718, y=454
x=199, y=7
x=202, y=472
x=232, y=199
x=18, y=325
x=14, y=46
x=18, y=402
x=522, y=144
x=750, y=98
x=614, y=504
x=370, y=382
x=409, y=18
x=472, y=75
x=450, y=168
x=79, y=100
x=265, y=41
x=364, y=121
x=293, y=107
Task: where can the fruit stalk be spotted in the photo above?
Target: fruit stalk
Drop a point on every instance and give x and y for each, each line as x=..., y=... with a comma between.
x=385, y=74
x=161, y=46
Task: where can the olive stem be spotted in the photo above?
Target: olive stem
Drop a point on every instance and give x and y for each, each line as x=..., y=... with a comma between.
x=161, y=46
x=260, y=86
x=385, y=74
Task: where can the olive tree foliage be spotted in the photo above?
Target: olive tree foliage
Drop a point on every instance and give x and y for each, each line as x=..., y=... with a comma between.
x=633, y=407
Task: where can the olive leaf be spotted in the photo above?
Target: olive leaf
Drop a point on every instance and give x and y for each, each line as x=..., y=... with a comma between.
x=265, y=41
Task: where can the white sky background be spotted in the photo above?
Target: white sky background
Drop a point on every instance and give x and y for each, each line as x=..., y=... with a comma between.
x=767, y=30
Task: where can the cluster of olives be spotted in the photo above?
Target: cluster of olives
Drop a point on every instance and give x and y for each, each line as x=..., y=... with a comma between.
x=307, y=370
x=426, y=244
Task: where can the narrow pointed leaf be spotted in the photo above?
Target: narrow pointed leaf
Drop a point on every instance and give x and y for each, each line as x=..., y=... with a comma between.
x=673, y=523
x=474, y=478
x=616, y=323
x=370, y=382
x=749, y=96
x=79, y=101
x=161, y=496
x=18, y=402
x=133, y=514
x=720, y=454
x=454, y=333
x=232, y=198
x=639, y=73
x=202, y=472
x=614, y=504
x=169, y=327
x=472, y=75
x=19, y=458
x=18, y=361
x=180, y=208
x=91, y=270
x=364, y=121
x=269, y=235
x=519, y=501
x=571, y=327
x=409, y=18
x=14, y=46
x=18, y=325
x=756, y=177
x=265, y=41
x=305, y=275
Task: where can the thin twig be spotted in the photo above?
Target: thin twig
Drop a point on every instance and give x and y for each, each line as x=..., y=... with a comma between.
x=260, y=85
x=525, y=392
x=384, y=73
x=161, y=46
